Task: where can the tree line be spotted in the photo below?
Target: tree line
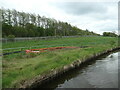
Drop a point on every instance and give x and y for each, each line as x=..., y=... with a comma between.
x=21, y=24
x=110, y=34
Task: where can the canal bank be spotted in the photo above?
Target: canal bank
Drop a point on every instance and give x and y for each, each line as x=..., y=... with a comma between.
x=99, y=73
x=57, y=73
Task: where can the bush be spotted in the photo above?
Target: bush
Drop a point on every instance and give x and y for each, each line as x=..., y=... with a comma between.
x=11, y=37
x=110, y=34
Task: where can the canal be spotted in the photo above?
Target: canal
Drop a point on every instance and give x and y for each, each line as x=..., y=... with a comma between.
x=100, y=73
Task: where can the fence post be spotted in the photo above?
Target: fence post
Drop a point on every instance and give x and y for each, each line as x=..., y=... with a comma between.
x=6, y=40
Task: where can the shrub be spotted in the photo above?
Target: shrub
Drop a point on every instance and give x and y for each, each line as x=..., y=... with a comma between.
x=11, y=37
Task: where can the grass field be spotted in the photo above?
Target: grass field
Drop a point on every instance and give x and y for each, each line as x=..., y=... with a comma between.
x=21, y=66
x=75, y=41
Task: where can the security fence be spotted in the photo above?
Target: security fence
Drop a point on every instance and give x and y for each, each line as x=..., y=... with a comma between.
x=6, y=40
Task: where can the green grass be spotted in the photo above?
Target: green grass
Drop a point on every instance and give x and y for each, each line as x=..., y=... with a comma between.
x=75, y=41
x=20, y=67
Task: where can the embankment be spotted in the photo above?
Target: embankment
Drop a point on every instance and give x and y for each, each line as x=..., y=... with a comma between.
x=40, y=80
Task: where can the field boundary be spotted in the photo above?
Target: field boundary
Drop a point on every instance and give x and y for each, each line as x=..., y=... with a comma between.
x=18, y=39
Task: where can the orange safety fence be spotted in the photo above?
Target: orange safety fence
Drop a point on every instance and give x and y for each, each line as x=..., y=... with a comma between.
x=44, y=49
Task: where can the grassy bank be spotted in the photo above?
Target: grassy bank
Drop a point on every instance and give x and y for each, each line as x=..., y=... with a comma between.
x=21, y=67
x=75, y=41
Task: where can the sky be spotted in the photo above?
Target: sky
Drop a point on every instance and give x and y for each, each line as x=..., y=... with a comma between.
x=95, y=15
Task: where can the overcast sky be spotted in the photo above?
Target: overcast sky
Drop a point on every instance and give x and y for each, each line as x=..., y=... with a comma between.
x=95, y=15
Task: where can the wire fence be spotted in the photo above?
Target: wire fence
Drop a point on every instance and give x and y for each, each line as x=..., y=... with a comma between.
x=6, y=40
x=6, y=51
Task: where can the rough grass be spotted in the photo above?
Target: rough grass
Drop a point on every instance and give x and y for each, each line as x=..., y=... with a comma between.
x=74, y=41
x=20, y=67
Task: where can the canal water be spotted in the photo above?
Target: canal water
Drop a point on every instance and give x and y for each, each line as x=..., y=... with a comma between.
x=100, y=73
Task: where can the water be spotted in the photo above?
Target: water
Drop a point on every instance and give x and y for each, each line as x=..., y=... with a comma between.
x=102, y=73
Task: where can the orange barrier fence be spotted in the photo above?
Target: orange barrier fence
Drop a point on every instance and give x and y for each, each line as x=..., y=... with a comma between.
x=45, y=49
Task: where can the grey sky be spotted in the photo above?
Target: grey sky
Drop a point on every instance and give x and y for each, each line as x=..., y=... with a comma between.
x=81, y=8
x=97, y=16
